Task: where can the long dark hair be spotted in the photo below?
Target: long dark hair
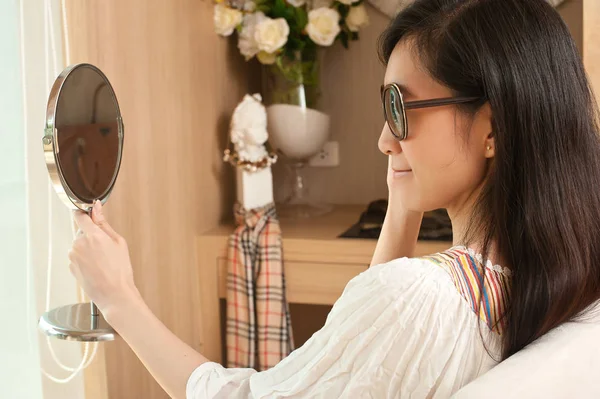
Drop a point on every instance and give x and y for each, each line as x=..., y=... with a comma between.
x=540, y=204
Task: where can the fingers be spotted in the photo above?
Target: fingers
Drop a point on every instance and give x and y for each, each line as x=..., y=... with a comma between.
x=84, y=222
x=76, y=272
x=100, y=221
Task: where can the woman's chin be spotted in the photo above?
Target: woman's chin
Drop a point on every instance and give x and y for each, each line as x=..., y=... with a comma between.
x=406, y=194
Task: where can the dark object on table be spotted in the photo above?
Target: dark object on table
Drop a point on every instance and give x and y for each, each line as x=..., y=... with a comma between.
x=436, y=224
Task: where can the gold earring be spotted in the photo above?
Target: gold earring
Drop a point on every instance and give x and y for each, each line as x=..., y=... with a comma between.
x=489, y=147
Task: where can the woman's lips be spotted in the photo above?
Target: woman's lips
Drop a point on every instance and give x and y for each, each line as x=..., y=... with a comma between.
x=401, y=172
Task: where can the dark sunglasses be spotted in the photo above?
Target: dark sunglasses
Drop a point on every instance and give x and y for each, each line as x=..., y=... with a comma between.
x=394, y=108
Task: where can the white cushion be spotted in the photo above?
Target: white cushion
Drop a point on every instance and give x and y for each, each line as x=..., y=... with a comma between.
x=564, y=363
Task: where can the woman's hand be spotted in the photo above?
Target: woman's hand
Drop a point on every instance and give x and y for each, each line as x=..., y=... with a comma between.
x=400, y=230
x=100, y=262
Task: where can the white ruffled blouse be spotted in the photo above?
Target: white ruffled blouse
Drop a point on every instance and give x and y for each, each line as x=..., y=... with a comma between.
x=403, y=329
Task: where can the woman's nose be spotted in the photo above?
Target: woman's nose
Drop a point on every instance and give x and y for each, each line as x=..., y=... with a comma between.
x=387, y=143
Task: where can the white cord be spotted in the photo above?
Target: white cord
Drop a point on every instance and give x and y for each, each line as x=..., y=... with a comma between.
x=66, y=31
x=52, y=39
x=48, y=37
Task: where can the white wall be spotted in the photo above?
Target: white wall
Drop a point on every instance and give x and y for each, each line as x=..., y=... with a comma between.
x=25, y=202
x=19, y=372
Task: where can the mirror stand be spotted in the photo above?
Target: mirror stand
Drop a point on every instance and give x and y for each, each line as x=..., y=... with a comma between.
x=83, y=144
x=77, y=323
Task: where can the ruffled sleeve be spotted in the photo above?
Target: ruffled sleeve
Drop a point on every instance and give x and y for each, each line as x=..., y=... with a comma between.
x=399, y=330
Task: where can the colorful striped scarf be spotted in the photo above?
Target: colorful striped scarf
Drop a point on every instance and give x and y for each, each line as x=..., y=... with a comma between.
x=466, y=270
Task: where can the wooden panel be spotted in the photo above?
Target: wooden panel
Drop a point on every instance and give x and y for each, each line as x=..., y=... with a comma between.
x=210, y=330
x=177, y=83
x=571, y=12
x=95, y=376
x=591, y=43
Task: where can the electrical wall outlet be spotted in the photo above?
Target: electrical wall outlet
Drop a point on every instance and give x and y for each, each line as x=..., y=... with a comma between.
x=328, y=156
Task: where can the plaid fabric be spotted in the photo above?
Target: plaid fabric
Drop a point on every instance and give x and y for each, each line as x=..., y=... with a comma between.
x=259, y=332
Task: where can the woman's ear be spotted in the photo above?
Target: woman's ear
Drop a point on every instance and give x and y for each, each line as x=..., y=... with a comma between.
x=490, y=148
x=485, y=130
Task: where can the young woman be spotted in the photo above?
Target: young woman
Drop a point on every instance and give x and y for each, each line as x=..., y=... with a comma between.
x=489, y=115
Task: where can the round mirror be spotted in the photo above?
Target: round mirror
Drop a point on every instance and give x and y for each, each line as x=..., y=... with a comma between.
x=83, y=143
x=83, y=138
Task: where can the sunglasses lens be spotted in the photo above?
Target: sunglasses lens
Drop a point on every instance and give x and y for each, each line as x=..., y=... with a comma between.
x=393, y=111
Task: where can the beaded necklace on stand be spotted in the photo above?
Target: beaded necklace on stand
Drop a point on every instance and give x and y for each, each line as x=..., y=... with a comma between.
x=232, y=157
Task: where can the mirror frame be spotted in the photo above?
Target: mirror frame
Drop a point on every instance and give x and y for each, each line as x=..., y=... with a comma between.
x=50, y=142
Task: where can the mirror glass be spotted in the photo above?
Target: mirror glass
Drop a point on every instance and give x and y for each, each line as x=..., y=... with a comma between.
x=87, y=134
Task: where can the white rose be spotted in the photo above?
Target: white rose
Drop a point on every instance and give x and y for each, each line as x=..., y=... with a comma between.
x=226, y=19
x=348, y=2
x=296, y=3
x=271, y=34
x=246, y=42
x=357, y=18
x=266, y=58
x=323, y=25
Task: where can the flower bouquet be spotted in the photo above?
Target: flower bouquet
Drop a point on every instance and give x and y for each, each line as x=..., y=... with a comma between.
x=272, y=30
x=285, y=36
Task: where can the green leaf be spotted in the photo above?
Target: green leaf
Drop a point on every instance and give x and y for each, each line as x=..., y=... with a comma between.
x=309, y=46
x=278, y=10
x=301, y=18
x=294, y=43
x=343, y=10
x=264, y=9
x=344, y=38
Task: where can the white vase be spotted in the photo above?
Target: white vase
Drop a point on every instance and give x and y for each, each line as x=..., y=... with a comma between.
x=296, y=131
x=298, y=128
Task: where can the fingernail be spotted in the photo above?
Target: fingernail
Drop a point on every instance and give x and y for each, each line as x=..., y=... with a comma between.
x=97, y=206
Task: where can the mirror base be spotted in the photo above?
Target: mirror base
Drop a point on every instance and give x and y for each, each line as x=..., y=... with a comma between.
x=75, y=323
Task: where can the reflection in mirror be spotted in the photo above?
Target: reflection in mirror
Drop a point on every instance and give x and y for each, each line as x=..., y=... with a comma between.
x=87, y=134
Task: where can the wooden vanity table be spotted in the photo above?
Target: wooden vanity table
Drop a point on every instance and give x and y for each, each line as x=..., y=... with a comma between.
x=317, y=263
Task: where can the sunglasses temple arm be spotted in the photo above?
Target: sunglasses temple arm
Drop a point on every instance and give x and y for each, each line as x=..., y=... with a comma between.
x=438, y=102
